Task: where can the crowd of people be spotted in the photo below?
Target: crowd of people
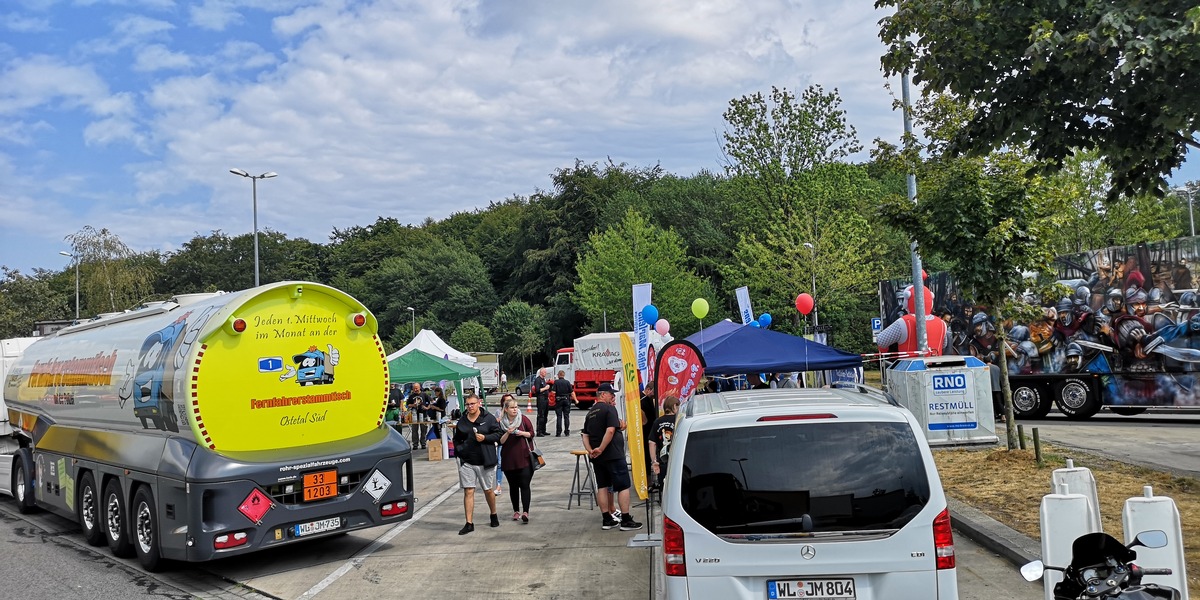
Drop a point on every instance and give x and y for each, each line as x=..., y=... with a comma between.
x=490, y=448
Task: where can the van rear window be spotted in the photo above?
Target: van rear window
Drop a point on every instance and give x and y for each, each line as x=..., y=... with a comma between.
x=804, y=478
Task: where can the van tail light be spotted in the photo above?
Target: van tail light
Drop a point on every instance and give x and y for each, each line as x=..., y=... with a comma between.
x=943, y=541
x=674, y=563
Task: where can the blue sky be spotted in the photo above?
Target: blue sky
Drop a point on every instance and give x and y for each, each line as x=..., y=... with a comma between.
x=128, y=114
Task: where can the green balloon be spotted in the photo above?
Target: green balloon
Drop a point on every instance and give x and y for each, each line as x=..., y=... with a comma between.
x=700, y=307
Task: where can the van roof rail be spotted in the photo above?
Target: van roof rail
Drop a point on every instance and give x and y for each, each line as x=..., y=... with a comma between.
x=868, y=391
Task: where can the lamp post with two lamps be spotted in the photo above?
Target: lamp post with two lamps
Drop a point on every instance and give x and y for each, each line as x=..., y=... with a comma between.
x=254, y=191
x=75, y=258
x=814, y=284
x=1188, y=192
x=414, y=321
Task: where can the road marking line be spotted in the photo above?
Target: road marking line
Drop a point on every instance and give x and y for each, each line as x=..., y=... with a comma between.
x=356, y=561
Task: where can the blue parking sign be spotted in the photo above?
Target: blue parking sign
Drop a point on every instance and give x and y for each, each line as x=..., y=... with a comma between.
x=876, y=324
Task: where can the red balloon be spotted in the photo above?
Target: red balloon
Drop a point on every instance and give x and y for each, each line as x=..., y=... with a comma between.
x=804, y=303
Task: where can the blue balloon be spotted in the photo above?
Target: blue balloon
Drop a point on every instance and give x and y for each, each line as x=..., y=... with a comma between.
x=650, y=315
x=765, y=319
x=755, y=324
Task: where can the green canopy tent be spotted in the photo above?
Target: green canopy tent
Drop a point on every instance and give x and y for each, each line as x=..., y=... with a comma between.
x=419, y=366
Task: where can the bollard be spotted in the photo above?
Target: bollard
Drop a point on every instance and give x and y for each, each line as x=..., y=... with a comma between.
x=1037, y=448
x=1020, y=436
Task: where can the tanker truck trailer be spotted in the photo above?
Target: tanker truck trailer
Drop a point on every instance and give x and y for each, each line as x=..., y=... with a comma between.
x=208, y=426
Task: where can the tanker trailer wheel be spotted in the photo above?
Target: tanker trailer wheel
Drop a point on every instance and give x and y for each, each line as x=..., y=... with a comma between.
x=1028, y=402
x=22, y=481
x=1076, y=399
x=145, y=530
x=89, y=510
x=116, y=520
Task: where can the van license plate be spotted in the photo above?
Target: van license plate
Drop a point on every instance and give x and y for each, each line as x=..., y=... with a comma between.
x=321, y=526
x=812, y=589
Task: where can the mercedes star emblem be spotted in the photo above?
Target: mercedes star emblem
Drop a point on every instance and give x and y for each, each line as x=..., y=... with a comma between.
x=807, y=552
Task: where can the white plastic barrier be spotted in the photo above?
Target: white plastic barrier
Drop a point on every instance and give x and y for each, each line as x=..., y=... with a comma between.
x=1064, y=517
x=1151, y=512
x=1079, y=480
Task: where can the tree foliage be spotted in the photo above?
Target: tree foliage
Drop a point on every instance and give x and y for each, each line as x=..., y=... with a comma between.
x=636, y=251
x=1122, y=78
x=110, y=279
x=27, y=299
x=520, y=332
x=472, y=336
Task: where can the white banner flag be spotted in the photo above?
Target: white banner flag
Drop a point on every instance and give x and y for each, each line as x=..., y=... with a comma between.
x=641, y=329
x=743, y=298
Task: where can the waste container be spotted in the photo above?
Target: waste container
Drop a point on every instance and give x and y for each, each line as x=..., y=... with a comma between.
x=951, y=397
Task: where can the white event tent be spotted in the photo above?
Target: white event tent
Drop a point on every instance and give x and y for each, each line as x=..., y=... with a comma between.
x=429, y=342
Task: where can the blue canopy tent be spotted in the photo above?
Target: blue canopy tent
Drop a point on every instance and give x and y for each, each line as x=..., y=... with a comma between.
x=712, y=332
x=754, y=350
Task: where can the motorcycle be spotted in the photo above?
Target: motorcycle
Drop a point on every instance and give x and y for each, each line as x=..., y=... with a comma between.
x=1102, y=568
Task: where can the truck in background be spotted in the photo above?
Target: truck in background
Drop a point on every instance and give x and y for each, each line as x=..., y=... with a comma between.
x=594, y=359
x=488, y=364
x=178, y=431
x=1126, y=337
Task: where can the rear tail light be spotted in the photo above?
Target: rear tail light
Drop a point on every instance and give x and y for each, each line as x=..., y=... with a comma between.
x=797, y=417
x=392, y=509
x=674, y=563
x=230, y=540
x=943, y=541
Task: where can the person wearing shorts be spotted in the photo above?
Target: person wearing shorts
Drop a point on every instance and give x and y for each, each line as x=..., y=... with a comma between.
x=605, y=445
x=475, y=438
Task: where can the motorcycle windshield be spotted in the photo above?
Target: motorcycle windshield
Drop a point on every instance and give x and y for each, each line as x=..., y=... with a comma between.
x=1093, y=548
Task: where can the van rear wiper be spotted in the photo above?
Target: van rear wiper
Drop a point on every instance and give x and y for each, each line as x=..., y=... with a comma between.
x=805, y=521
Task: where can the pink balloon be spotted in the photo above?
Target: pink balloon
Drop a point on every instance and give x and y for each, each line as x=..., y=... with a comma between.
x=662, y=327
x=804, y=303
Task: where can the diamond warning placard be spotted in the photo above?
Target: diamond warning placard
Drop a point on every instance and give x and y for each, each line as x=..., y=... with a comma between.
x=256, y=505
x=377, y=485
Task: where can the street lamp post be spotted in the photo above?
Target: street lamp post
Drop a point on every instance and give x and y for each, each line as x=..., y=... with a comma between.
x=1187, y=191
x=814, y=285
x=254, y=191
x=414, y=321
x=76, y=259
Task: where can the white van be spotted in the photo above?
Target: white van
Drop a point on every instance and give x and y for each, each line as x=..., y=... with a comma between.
x=823, y=493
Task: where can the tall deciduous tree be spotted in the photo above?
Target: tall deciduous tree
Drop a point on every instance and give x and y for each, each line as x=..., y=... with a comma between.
x=632, y=252
x=110, y=280
x=520, y=333
x=472, y=336
x=1122, y=78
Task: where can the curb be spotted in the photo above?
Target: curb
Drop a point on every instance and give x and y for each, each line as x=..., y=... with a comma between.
x=1012, y=545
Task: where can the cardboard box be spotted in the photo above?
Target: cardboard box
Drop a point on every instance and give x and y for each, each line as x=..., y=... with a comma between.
x=435, y=449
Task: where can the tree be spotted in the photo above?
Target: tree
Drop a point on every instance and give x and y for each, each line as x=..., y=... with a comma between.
x=845, y=258
x=1122, y=78
x=767, y=144
x=110, y=280
x=520, y=332
x=635, y=251
x=27, y=299
x=987, y=213
x=472, y=336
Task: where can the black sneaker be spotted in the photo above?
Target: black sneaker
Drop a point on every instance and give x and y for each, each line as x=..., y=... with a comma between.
x=609, y=522
x=628, y=524
x=496, y=521
x=468, y=528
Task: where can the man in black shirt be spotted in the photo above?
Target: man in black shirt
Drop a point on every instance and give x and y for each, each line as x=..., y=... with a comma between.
x=541, y=389
x=418, y=401
x=563, y=395
x=605, y=445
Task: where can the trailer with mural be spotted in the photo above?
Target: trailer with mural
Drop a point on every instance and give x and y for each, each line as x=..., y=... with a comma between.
x=1125, y=338
x=209, y=425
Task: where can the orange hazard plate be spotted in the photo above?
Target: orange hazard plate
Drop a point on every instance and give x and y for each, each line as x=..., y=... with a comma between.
x=320, y=485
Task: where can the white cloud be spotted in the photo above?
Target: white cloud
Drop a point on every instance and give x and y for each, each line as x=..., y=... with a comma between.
x=157, y=57
x=216, y=15
x=46, y=80
x=19, y=23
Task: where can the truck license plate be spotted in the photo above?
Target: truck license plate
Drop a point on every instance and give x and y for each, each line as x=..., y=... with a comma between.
x=321, y=526
x=812, y=589
x=320, y=486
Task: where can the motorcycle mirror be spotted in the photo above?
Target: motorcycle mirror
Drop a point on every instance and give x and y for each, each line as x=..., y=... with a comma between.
x=1154, y=538
x=1033, y=571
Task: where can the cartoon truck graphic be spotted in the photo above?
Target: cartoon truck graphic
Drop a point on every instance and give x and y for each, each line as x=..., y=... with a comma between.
x=313, y=367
